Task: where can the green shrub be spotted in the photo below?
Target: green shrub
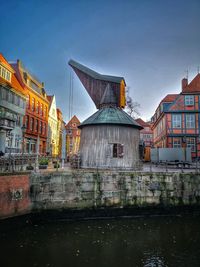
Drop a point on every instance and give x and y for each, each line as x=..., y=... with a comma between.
x=43, y=161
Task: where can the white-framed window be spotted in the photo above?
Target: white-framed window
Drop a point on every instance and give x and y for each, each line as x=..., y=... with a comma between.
x=5, y=74
x=176, y=142
x=190, y=141
x=189, y=100
x=176, y=120
x=190, y=121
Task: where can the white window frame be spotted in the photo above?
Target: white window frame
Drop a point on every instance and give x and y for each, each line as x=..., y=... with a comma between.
x=189, y=100
x=176, y=142
x=5, y=74
x=176, y=121
x=191, y=142
x=190, y=121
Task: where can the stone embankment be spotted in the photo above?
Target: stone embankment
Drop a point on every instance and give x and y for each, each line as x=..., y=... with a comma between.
x=79, y=190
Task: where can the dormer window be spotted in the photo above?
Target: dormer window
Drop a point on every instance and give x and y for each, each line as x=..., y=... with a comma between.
x=189, y=100
x=5, y=74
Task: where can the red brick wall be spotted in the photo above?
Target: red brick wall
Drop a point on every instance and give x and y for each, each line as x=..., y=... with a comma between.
x=14, y=195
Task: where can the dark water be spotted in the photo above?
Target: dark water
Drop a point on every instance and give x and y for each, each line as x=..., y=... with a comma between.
x=150, y=241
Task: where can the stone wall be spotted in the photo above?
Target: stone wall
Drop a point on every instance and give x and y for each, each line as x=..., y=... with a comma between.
x=20, y=194
x=81, y=189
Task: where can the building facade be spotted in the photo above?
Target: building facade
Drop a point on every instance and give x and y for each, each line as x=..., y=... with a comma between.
x=12, y=109
x=36, y=117
x=53, y=134
x=176, y=122
x=59, y=129
x=146, y=134
x=72, y=136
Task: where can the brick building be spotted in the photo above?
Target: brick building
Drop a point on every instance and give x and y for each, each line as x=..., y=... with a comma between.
x=36, y=117
x=72, y=136
x=176, y=122
x=12, y=109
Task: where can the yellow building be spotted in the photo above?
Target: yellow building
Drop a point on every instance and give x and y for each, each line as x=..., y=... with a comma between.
x=53, y=133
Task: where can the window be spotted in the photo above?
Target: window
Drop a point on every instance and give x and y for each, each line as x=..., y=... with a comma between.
x=28, y=101
x=33, y=104
x=32, y=124
x=4, y=73
x=176, y=120
x=40, y=127
x=190, y=121
x=190, y=141
x=45, y=111
x=37, y=107
x=176, y=142
x=36, y=125
x=44, y=128
x=27, y=122
x=189, y=100
x=41, y=109
x=118, y=151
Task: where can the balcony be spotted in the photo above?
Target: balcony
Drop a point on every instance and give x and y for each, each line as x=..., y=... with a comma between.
x=8, y=116
x=6, y=124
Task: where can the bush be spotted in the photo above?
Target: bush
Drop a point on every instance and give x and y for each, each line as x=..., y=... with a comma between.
x=43, y=161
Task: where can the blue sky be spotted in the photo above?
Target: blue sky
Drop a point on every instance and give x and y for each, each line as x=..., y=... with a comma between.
x=150, y=42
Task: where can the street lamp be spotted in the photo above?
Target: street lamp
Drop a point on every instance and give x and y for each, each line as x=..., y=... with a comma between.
x=23, y=128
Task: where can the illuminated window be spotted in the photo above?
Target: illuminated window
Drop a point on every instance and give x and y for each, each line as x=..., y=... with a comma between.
x=37, y=107
x=33, y=104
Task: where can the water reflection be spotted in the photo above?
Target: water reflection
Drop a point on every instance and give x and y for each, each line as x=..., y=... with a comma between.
x=148, y=242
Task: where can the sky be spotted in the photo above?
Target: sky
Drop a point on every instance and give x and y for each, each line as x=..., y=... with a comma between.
x=151, y=43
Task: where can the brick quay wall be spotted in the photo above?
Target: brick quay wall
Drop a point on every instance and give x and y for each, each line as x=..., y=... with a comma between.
x=96, y=190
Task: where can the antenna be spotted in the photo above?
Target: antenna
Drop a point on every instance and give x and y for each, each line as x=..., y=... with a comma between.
x=197, y=69
x=187, y=74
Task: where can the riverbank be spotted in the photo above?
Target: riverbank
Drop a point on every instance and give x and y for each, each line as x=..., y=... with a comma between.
x=97, y=192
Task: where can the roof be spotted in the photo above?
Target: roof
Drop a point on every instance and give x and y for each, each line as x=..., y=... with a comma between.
x=72, y=120
x=14, y=81
x=193, y=86
x=169, y=98
x=50, y=98
x=95, y=74
x=111, y=116
x=142, y=123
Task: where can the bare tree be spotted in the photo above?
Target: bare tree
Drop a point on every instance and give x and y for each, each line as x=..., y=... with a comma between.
x=132, y=107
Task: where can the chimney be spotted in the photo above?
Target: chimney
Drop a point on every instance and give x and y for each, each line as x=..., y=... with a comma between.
x=184, y=83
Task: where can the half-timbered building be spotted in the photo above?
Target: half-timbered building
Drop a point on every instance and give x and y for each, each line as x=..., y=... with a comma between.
x=176, y=122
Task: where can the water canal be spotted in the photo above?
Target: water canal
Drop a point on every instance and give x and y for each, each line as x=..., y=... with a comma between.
x=142, y=241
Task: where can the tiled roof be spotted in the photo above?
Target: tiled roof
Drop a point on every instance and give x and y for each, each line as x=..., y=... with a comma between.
x=193, y=86
x=111, y=116
x=142, y=123
x=95, y=74
x=169, y=98
x=50, y=98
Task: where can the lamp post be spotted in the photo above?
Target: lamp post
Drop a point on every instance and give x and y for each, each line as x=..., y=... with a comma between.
x=63, y=146
x=23, y=128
